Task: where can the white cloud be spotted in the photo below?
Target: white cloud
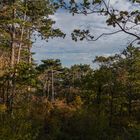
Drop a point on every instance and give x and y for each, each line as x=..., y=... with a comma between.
x=71, y=52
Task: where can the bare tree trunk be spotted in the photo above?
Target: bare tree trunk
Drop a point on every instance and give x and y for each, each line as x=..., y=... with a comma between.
x=21, y=37
x=29, y=56
x=13, y=53
x=20, y=45
x=12, y=75
x=13, y=41
x=29, y=62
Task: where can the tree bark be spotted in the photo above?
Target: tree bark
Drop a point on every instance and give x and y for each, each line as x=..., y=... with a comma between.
x=21, y=37
x=13, y=41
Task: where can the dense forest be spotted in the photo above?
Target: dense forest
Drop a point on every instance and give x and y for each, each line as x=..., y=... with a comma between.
x=48, y=101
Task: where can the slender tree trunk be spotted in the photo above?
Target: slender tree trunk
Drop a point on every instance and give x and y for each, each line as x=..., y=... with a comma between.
x=20, y=46
x=29, y=57
x=29, y=62
x=13, y=41
x=12, y=75
x=21, y=37
x=13, y=53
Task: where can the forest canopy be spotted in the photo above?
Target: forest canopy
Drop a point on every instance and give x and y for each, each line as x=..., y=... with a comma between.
x=48, y=101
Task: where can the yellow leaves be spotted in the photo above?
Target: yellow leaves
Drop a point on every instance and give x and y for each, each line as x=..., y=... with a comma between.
x=78, y=101
x=132, y=124
x=3, y=108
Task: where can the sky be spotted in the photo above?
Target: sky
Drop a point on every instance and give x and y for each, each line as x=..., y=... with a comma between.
x=82, y=52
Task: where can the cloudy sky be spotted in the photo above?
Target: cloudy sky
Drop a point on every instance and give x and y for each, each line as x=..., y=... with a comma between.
x=70, y=52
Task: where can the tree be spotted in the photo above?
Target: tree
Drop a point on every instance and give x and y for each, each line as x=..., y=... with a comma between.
x=49, y=75
x=26, y=18
x=19, y=21
x=131, y=66
x=125, y=21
